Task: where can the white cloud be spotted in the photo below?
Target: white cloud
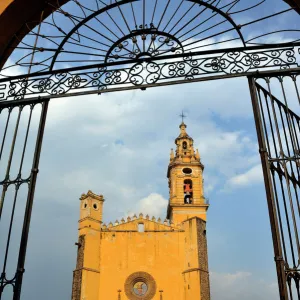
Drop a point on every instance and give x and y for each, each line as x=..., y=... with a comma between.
x=252, y=176
x=241, y=285
x=146, y=124
x=154, y=205
x=82, y=152
x=209, y=188
x=228, y=151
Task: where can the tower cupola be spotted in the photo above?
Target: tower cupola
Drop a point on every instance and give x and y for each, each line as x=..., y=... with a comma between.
x=185, y=147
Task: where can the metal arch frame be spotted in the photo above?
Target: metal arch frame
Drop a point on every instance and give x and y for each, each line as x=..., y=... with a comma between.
x=11, y=43
x=117, y=4
x=189, y=43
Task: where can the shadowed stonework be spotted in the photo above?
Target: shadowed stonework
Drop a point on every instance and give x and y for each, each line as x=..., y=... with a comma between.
x=77, y=274
x=203, y=261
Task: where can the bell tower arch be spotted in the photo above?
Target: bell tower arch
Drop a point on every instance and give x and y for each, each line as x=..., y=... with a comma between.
x=185, y=174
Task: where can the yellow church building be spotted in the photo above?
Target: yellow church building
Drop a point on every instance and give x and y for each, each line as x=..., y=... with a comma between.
x=144, y=258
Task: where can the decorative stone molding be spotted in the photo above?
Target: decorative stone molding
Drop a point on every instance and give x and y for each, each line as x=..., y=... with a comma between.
x=92, y=195
x=144, y=278
x=165, y=225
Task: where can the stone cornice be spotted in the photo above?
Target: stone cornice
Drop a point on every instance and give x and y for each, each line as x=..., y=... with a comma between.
x=190, y=205
x=195, y=217
x=169, y=209
x=86, y=269
x=165, y=225
x=90, y=219
x=92, y=195
x=194, y=270
x=182, y=137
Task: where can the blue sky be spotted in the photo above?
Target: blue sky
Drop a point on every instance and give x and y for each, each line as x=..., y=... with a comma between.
x=118, y=145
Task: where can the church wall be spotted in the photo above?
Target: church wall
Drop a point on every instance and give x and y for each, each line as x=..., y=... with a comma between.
x=192, y=289
x=191, y=272
x=161, y=254
x=196, y=275
x=88, y=263
x=91, y=258
x=183, y=213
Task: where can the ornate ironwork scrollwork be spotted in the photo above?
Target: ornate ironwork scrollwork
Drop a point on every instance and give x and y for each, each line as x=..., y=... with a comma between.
x=147, y=72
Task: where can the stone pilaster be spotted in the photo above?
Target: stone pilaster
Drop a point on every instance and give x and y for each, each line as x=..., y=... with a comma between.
x=77, y=274
x=203, y=260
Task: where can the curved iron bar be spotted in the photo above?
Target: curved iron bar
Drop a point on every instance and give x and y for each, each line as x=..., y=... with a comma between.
x=273, y=32
x=248, y=8
x=226, y=16
x=104, y=9
x=139, y=33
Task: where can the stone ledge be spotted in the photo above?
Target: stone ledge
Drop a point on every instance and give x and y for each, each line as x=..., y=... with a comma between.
x=193, y=270
x=86, y=269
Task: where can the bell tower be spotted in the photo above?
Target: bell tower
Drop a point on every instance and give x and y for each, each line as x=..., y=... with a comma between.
x=185, y=174
x=91, y=206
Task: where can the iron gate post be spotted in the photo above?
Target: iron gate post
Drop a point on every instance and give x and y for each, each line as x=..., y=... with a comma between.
x=28, y=210
x=269, y=192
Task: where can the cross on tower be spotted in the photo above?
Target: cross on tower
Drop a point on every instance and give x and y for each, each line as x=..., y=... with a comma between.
x=182, y=116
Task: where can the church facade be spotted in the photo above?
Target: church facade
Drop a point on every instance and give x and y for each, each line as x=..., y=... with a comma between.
x=144, y=258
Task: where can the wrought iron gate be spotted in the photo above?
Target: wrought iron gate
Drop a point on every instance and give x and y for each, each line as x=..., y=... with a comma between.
x=22, y=123
x=278, y=132
x=100, y=46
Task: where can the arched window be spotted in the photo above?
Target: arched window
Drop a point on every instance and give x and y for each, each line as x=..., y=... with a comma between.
x=188, y=191
x=184, y=145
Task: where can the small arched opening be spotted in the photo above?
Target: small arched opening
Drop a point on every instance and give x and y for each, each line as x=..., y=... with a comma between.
x=141, y=227
x=188, y=191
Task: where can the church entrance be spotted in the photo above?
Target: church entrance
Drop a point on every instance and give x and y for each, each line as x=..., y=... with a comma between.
x=95, y=47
